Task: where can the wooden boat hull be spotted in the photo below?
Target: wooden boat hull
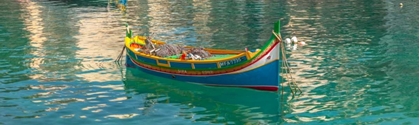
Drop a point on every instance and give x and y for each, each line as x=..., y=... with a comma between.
x=261, y=71
x=248, y=79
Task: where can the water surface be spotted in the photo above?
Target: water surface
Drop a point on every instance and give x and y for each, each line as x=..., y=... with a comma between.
x=360, y=64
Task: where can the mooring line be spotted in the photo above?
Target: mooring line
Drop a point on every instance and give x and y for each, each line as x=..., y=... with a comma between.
x=120, y=55
x=292, y=84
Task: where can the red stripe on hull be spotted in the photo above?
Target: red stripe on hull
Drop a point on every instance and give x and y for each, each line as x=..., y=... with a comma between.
x=264, y=88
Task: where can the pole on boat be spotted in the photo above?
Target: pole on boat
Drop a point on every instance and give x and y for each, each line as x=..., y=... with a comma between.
x=128, y=34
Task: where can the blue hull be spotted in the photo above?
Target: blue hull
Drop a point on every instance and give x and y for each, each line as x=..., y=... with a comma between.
x=263, y=78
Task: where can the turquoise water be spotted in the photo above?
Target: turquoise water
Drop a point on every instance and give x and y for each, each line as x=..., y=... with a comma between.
x=360, y=64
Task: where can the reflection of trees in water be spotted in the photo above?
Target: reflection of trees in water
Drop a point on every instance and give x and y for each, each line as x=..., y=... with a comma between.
x=12, y=44
x=67, y=43
x=401, y=56
x=50, y=37
x=346, y=76
x=96, y=46
x=165, y=19
x=201, y=19
x=236, y=24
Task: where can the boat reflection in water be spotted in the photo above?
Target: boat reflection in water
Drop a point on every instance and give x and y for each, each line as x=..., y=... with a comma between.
x=202, y=103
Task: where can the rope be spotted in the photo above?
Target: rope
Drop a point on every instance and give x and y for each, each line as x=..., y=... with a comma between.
x=292, y=85
x=120, y=55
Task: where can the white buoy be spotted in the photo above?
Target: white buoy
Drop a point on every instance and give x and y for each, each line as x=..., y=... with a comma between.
x=288, y=41
x=294, y=47
x=294, y=39
x=288, y=46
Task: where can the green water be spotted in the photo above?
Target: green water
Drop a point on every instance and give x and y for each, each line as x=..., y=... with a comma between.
x=360, y=64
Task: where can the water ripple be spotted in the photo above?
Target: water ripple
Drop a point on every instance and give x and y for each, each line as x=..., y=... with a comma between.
x=359, y=66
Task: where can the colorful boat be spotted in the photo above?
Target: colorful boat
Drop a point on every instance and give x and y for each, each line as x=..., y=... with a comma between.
x=257, y=69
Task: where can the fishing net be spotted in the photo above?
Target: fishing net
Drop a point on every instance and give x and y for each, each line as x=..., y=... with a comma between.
x=200, y=52
x=167, y=50
x=171, y=49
